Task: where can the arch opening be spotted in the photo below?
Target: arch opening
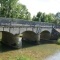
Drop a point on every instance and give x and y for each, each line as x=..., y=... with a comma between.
x=29, y=37
x=45, y=36
x=11, y=40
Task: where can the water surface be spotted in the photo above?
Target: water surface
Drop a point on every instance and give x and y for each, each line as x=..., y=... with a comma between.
x=55, y=56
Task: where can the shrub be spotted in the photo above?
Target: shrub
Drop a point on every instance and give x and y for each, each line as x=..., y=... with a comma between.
x=58, y=41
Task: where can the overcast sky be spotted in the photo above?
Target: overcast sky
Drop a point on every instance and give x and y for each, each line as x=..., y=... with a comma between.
x=47, y=6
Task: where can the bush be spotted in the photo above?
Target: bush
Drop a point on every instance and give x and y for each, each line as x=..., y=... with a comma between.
x=58, y=41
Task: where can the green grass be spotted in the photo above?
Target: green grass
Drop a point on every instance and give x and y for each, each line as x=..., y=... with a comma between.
x=39, y=52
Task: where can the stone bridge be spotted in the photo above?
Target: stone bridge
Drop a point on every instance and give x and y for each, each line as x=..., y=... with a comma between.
x=14, y=31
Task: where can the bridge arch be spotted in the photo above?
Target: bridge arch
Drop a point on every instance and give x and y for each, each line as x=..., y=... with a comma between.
x=7, y=37
x=11, y=40
x=29, y=35
x=45, y=35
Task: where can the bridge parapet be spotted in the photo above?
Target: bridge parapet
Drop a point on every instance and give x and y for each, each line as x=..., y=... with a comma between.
x=19, y=24
x=10, y=21
x=56, y=26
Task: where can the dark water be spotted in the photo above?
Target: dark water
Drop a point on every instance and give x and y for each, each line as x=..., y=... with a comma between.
x=25, y=44
x=4, y=48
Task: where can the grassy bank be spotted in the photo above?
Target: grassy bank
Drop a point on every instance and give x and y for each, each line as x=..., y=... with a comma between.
x=39, y=52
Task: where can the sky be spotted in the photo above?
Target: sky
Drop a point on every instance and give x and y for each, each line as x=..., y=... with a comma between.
x=47, y=6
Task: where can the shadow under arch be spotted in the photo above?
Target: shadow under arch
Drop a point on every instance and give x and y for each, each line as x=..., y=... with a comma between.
x=45, y=36
x=7, y=36
x=5, y=40
x=29, y=38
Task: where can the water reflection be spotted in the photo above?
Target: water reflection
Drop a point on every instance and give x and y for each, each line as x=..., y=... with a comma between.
x=25, y=44
x=4, y=48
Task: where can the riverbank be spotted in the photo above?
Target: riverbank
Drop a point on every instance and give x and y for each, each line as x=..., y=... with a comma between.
x=36, y=52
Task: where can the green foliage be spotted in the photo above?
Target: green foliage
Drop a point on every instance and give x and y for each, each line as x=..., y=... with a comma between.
x=35, y=18
x=23, y=12
x=51, y=18
x=38, y=17
x=12, y=9
x=44, y=17
x=6, y=7
x=23, y=58
x=57, y=17
x=58, y=41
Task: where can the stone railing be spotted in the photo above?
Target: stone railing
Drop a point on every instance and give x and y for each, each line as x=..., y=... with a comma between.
x=10, y=21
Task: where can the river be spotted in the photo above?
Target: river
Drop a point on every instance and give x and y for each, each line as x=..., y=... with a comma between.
x=55, y=56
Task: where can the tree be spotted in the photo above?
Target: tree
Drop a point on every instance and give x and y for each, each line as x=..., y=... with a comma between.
x=6, y=7
x=23, y=12
x=38, y=17
x=51, y=18
x=44, y=17
x=35, y=18
x=28, y=16
x=57, y=17
x=12, y=9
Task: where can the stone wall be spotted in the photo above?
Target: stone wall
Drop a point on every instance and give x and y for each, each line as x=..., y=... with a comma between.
x=55, y=34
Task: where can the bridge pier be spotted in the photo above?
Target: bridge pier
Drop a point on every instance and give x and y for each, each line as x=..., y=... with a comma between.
x=18, y=41
x=38, y=38
x=11, y=40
